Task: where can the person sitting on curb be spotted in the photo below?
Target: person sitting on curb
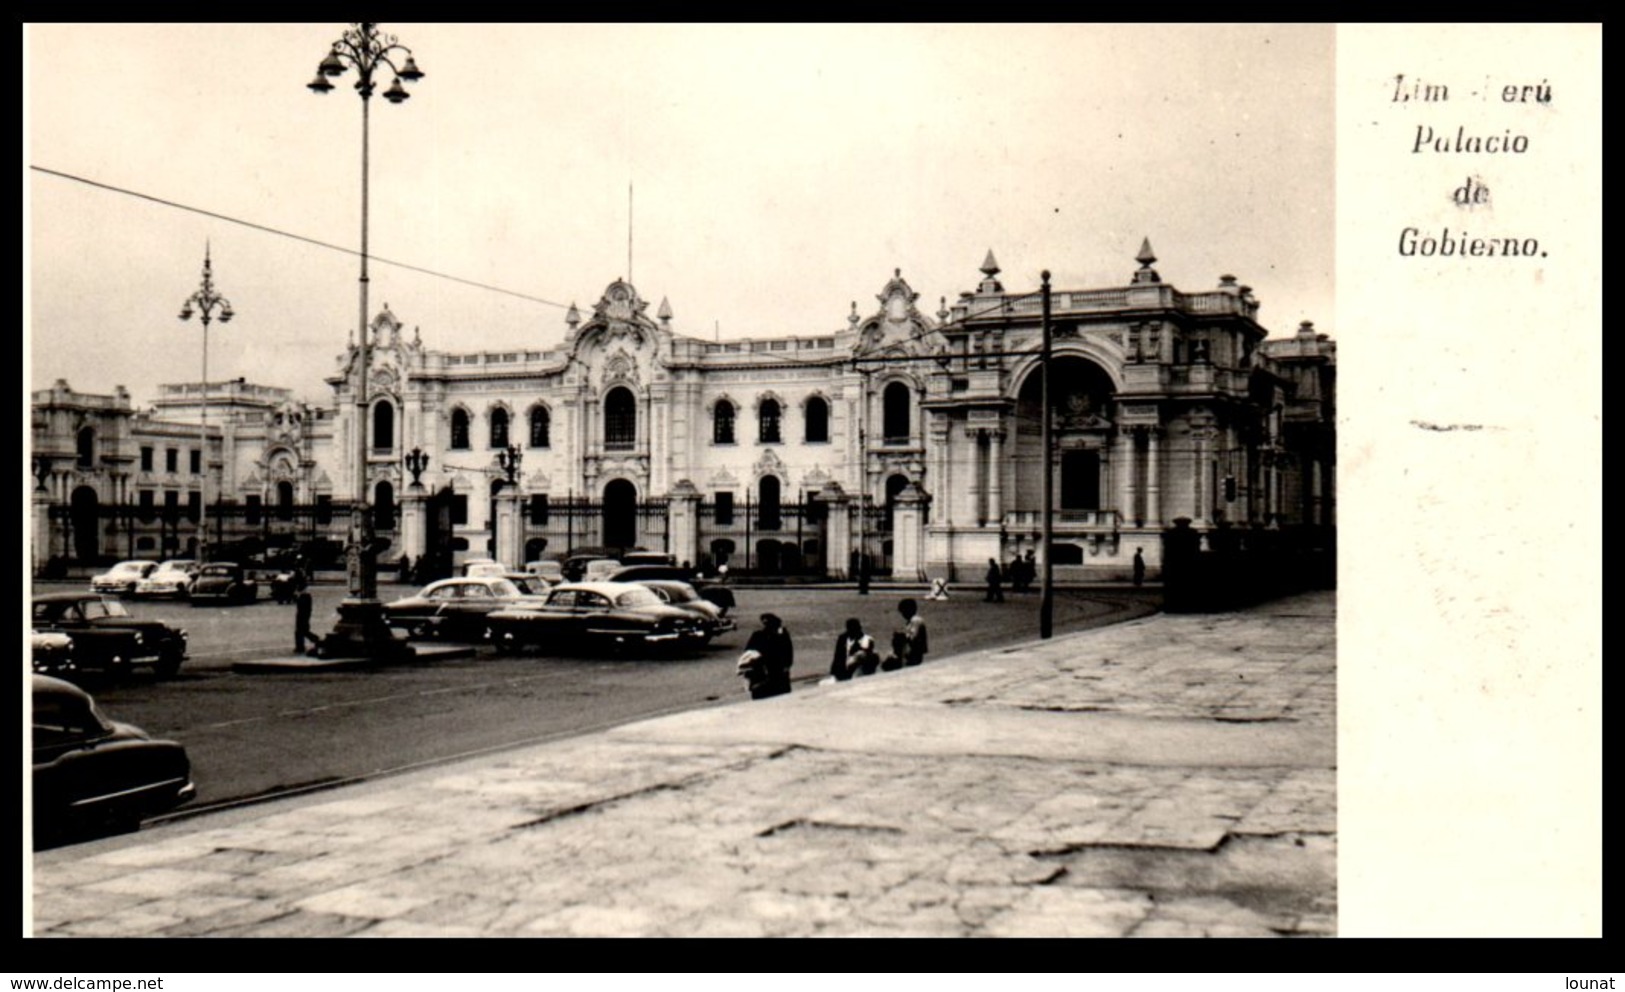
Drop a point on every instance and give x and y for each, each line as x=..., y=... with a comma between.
x=855, y=653
x=767, y=659
x=909, y=644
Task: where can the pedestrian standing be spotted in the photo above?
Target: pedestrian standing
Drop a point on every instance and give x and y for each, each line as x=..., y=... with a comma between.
x=1029, y=569
x=301, y=612
x=1018, y=578
x=910, y=643
x=1139, y=567
x=855, y=653
x=995, y=592
x=863, y=574
x=767, y=659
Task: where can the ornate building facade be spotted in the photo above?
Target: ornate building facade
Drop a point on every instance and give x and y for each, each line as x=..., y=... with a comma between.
x=911, y=438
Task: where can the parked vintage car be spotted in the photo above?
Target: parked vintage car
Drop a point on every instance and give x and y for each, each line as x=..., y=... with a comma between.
x=51, y=652
x=95, y=775
x=546, y=571
x=597, y=614
x=715, y=592
x=171, y=578
x=106, y=638
x=223, y=582
x=123, y=578
x=454, y=608
x=685, y=597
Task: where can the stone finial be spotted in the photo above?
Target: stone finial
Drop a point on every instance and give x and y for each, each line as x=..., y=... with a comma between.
x=1228, y=283
x=990, y=272
x=1306, y=329
x=572, y=316
x=664, y=313
x=990, y=265
x=942, y=312
x=853, y=318
x=1146, y=257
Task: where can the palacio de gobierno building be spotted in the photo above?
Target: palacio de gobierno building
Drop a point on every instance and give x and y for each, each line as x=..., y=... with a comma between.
x=911, y=438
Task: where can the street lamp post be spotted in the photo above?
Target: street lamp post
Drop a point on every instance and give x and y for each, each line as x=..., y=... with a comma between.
x=367, y=51
x=1046, y=600
x=205, y=302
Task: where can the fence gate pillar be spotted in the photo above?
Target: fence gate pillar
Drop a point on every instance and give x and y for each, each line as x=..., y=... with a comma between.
x=908, y=533
x=683, y=522
x=510, y=536
x=414, y=515
x=838, y=539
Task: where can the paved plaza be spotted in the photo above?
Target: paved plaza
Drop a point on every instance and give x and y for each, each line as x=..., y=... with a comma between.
x=1173, y=775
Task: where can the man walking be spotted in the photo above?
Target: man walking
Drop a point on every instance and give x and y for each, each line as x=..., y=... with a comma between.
x=1139, y=568
x=301, y=612
x=995, y=593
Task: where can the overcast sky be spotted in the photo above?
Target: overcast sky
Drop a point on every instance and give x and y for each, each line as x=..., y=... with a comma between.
x=780, y=173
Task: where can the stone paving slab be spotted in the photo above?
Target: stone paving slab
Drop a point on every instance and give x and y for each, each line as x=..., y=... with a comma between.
x=1169, y=776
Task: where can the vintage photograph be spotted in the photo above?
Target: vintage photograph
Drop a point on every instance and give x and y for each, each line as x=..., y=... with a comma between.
x=681, y=480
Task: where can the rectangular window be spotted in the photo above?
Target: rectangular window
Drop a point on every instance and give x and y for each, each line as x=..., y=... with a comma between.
x=459, y=509
x=725, y=509
x=193, y=502
x=172, y=505
x=324, y=510
x=251, y=511
x=197, y=462
x=146, y=459
x=146, y=502
x=172, y=460
x=538, y=509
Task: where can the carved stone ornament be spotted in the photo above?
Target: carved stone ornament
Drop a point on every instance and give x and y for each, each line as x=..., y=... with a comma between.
x=538, y=482
x=769, y=464
x=815, y=478
x=723, y=479
x=621, y=367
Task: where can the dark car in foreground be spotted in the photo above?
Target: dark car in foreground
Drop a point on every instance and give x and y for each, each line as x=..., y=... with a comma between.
x=455, y=609
x=223, y=582
x=93, y=775
x=106, y=638
x=587, y=615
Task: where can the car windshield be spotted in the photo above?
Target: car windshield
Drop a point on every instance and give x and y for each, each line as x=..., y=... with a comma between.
x=637, y=597
x=679, y=594
x=95, y=609
x=174, y=566
x=129, y=568
x=503, y=588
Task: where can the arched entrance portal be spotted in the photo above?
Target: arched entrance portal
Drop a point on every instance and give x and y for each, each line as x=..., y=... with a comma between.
x=86, y=523
x=1081, y=410
x=620, y=514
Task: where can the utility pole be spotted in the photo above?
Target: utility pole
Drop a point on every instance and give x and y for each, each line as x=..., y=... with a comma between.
x=1046, y=602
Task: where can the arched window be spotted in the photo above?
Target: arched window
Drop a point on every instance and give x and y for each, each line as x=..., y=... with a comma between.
x=383, y=506
x=768, y=503
x=459, y=429
x=620, y=419
x=87, y=447
x=817, y=421
x=895, y=420
x=722, y=423
x=541, y=427
x=383, y=425
x=499, y=428
x=767, y=416
x=284, y=500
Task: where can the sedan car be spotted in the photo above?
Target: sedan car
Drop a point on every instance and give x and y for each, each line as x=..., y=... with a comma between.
x=223, y=582
x=51, y=652
x=597, y=614
x=714, y=592
x=95, y=775
x=171, y=578
x=123, y=578
x=455, y=608
x=106, y=637
x=686, y=597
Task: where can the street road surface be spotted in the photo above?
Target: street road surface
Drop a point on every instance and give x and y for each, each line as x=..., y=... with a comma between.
x=254, y=736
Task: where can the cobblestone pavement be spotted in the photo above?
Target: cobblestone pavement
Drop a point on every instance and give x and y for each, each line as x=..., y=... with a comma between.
x=1167, y=776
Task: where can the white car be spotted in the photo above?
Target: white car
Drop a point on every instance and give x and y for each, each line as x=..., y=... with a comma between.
x=479, y=568
x=172, y=578
x=122, y=579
